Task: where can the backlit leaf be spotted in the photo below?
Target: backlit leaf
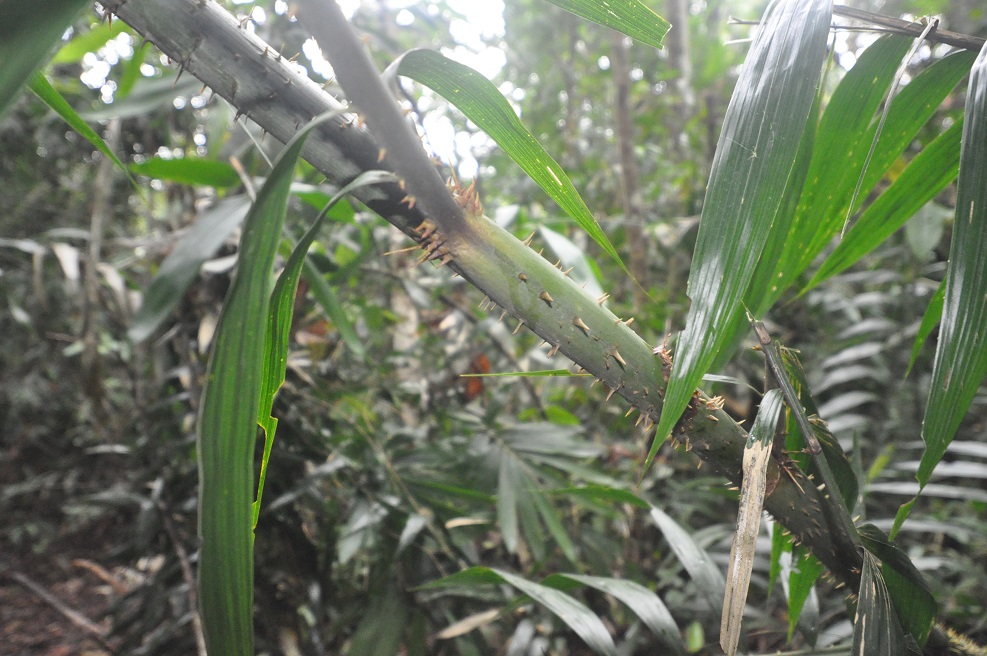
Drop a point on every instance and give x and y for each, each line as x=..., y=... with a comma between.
x=631, y=17
x=763, y=125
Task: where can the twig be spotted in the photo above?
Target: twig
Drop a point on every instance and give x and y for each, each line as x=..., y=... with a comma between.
x=71, y=614
x=193, y=596
x=899, y=26
x=890, y=25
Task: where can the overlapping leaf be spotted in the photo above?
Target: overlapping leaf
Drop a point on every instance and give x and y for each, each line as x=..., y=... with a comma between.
x=913, y=601
x=961, y=359
x=643, y=602
x=576, y=616
x=876, y=631
x=845, y=135
x=842, y=137
x=279, y=327
x=757, y=147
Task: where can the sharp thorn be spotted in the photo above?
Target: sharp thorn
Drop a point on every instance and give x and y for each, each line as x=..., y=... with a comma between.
x=578, y=323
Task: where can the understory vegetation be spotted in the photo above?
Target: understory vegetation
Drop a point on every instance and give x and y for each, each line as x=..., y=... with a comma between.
x=464, y=450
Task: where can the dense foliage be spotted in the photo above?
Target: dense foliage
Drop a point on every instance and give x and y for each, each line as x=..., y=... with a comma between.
x=394, y=467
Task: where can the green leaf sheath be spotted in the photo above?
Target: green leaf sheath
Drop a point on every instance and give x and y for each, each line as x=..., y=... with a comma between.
x=757, y=147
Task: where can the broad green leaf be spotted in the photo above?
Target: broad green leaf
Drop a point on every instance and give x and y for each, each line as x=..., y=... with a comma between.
x=180, y=268
x=481, y=102
x=913, y=600
x=47, y=93
x=228, y=421
x=27, y=34
x=961, y=359
x=927, y=174
x=631, y=17
x=91, y=41
x=845, y=134
x=757, y=147
x=694, y=558
x=576, y=616
x=645, y=603
x=931, y=318
x=190, y=170
x=279, y=328
x=757, y=454
x=876, y=631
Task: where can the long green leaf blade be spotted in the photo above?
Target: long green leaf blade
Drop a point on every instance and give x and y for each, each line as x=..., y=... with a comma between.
x=645, y=603
x=931, y=170
x=631, y=17
x=930, y=319
x=757, y=147
x=961, y=359
x=47, y=93
x=845, y=134
x=693, y=557
x=913, y=600
x=481, y=102
x=26, y=36
x=228, y=422
x=576, y=616
x=191, y=171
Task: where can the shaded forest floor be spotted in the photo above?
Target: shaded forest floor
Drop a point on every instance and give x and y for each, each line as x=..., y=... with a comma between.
x=57, y=577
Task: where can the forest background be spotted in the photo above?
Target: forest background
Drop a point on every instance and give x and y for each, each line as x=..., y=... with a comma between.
x=391, y=468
